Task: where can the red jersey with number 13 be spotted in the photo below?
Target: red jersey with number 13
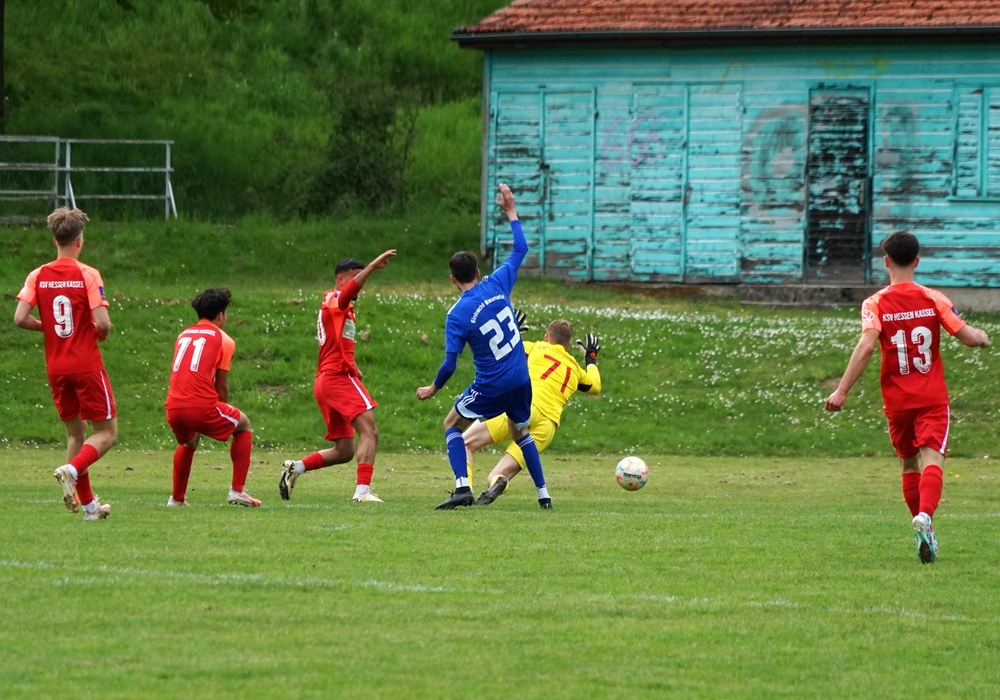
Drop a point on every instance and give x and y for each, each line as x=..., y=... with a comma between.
x=909, y=317
x=66, y=292
x=200, y=350
x=335, y=331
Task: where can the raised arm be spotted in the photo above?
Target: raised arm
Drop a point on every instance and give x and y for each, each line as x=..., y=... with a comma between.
x=505, y=199
x=855, y=368
x=353, y=288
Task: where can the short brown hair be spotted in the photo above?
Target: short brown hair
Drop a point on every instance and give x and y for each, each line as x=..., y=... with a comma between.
x=463, y=266
x=560, y=332
x=67, y=224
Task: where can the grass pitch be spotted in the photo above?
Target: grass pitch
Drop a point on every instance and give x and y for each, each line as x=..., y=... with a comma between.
x=722, y=578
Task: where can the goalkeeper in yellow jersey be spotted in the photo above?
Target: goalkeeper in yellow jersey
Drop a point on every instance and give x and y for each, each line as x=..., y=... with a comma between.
x=555, y=377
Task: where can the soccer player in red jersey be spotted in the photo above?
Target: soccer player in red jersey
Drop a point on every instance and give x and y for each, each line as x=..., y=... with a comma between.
x=905, y=319
x=73, y=315
x=196, y=401
x=343, y=400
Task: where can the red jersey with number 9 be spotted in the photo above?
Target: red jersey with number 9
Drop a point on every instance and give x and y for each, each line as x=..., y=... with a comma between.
x=200, y=350
x=909, y=317
x=66, y=291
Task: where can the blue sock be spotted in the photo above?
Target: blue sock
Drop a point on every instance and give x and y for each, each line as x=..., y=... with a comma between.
x=531, y=460
x=456, y=456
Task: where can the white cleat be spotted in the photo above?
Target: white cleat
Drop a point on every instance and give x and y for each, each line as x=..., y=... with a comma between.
x=70, y=497
x=927, y=546
x=103, y=511
x=242, y=499
x=288, y=478
x=367, y=497
x=171, y=503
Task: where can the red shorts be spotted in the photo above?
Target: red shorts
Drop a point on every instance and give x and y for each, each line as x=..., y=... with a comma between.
x=87, y=395
x=341, y=399
x=913, y=428
x=217, y=422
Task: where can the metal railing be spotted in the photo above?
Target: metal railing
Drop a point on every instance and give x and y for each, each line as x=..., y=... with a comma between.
x=62, y=169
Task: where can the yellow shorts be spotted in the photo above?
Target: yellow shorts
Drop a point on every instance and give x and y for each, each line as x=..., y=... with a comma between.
x=542, y=429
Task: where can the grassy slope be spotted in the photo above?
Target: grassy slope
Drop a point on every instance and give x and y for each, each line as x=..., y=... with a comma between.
x=679, y=377
x=722, y=578
x=250, y=99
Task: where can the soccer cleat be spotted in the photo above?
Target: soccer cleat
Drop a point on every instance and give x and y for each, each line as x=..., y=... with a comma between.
x=494, y=492
x=545, y=503
x=287, y=481
x=70, y=497
x=103, y=511
x=242, y=499
x=171, y=503
x=927, y=547
x=456, y=499
x=366, y=497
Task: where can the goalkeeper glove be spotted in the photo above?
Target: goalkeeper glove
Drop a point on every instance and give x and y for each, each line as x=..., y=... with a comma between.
x=522, y=320
x=590, y=349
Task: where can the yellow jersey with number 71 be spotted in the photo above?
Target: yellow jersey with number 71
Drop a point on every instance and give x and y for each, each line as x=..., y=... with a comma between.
x=555, y=377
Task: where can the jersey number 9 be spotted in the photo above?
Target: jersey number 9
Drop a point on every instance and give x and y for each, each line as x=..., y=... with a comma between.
x=493, y=326
x=62, y=312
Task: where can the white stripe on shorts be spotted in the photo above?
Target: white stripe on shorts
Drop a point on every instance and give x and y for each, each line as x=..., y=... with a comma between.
x=944, y=443
x=107, y=396
x=232, y=420
x=368, y=404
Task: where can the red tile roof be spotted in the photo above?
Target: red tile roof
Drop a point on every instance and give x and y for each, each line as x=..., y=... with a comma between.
x=548, y=17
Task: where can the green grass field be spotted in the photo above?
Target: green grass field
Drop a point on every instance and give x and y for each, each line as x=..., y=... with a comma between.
x=743, y=578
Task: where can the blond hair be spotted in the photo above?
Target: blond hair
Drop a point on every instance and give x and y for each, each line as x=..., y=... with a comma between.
x=67, y=224
x=560, y=332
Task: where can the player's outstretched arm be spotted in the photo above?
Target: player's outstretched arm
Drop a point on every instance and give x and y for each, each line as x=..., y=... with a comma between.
x=505, y=199
x=973, y=337
x=443, y=375
x=376, y=264
x=24, y=319
x=855, y=368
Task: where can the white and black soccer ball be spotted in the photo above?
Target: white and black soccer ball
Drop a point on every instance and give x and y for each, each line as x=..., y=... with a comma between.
x=631, y=473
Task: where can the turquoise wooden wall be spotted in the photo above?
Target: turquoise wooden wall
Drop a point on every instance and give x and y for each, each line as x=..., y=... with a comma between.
x=744, y=164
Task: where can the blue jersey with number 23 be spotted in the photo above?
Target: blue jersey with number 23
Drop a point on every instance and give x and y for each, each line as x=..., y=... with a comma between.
x=484, y=319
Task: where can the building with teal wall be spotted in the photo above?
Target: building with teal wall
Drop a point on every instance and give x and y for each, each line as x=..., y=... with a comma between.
x=740, y=158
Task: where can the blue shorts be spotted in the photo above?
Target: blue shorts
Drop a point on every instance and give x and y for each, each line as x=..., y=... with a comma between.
x=476, y=404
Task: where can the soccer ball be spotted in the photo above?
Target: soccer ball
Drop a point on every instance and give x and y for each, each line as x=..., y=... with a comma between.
x=631, y=473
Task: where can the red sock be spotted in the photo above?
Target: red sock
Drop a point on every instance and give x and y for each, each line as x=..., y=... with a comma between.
x=365, y=474
x=87, y=456
x=83, y=490
x=240, y=453
x=314, y=461
x=930, y=489
x=911, y=491
x=183, y=456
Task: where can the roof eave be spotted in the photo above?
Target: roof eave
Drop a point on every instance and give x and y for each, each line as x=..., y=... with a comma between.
x=523, y=39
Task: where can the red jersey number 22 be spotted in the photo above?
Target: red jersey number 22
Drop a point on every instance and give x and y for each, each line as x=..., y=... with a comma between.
x=922, y=338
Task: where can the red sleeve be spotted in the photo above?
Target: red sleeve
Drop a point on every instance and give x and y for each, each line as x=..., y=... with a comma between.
x=946, y=312
x=29, y=293
x=226, y=351
x=348, y=294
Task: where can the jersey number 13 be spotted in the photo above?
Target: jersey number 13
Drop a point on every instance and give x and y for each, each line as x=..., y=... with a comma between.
x=922, y=338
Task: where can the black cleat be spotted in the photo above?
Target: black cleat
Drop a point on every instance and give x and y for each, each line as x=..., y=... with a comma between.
x=493, y=492
x=458, y=498
x=545, y=503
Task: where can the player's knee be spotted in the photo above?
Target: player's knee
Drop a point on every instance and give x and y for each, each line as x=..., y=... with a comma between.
x=244, y=424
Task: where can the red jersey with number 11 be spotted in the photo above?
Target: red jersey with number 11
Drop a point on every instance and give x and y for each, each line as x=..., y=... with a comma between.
x=66, y=292
x=909, y=317
x=335, y=330
x=200, y=350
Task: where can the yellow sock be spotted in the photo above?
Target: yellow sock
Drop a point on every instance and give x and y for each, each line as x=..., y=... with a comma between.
x=468, y=466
